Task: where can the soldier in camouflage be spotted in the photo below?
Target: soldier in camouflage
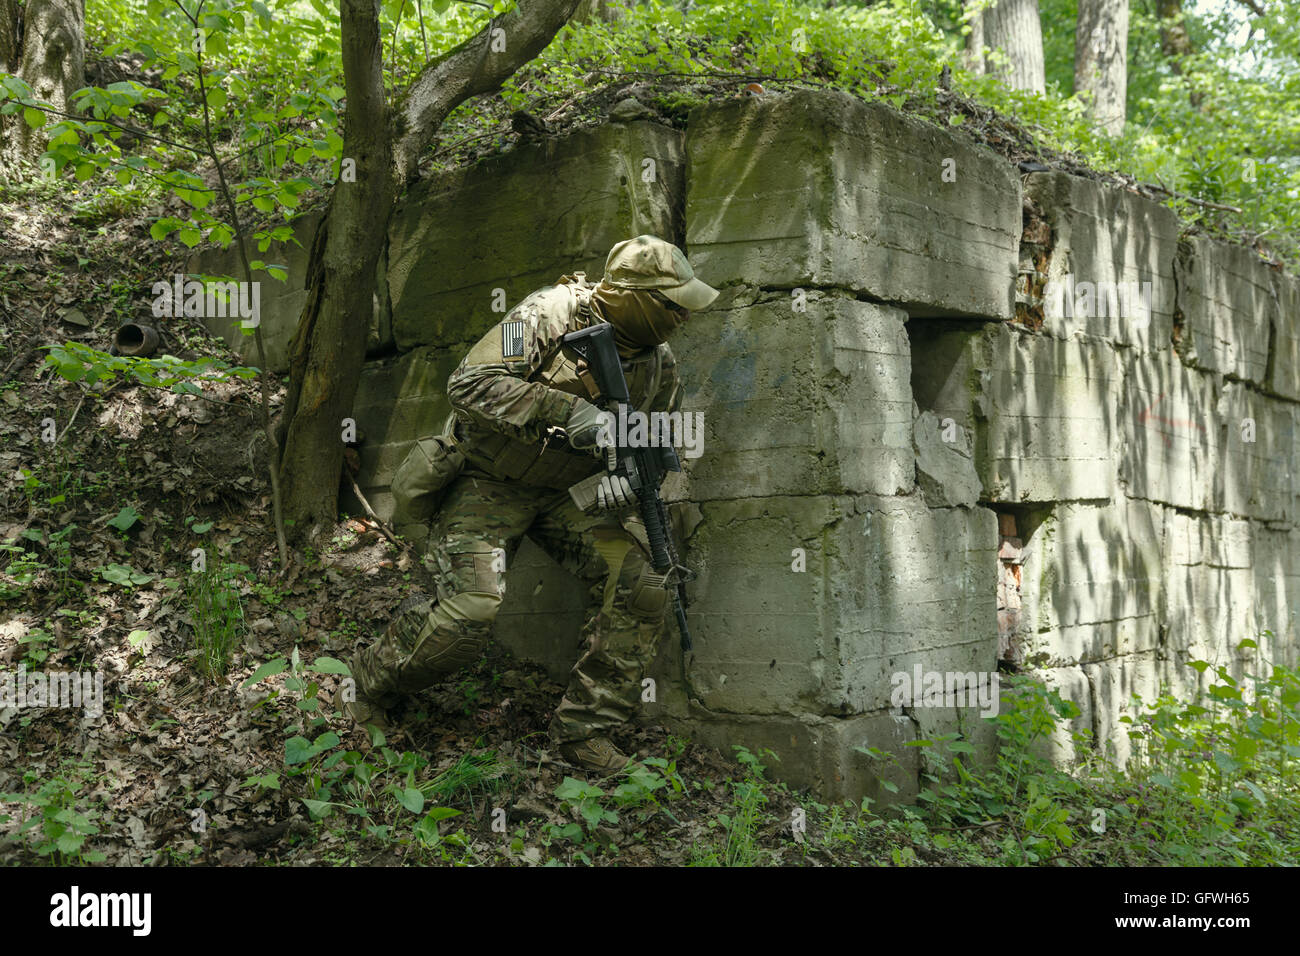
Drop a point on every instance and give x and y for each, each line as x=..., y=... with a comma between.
x=527, y=430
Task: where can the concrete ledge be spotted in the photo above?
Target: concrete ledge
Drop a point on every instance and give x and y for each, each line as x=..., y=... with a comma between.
x=822, y=189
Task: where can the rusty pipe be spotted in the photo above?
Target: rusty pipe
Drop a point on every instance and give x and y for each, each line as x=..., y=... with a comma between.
x=138, y=340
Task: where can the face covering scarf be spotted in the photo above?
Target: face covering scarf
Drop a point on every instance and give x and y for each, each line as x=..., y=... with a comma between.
x=639, y=321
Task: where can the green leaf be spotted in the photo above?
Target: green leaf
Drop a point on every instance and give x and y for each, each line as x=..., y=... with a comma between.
x=298, y=750
x=201, y=527
x=190, y=236
x=34, y=118
x=269, y=669
x=125, y=519
x=136, y=638
x=412, y=799
x=318, y=808
x=330, y=665
x=164, y=227
x=124, y=575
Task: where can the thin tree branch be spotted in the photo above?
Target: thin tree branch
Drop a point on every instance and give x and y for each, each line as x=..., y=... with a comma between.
x=273, y=451
x=470, y=68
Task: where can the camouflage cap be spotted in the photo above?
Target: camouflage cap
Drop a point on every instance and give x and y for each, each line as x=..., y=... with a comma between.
x=648, y=262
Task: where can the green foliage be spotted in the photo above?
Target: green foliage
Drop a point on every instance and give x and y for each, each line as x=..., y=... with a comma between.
x=1210, y=782
x=58, y=827
x=75, y=362
x=216, y=613
x=23, y=568
x=739, y=847
x=266, y=82
x=379, y=789
x=124, y=575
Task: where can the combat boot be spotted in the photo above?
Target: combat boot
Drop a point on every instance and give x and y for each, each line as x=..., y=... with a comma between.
x=367, y=711
x=595, y=754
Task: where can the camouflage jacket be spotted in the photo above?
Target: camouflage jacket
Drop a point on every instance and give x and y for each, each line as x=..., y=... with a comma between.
x=516, y=385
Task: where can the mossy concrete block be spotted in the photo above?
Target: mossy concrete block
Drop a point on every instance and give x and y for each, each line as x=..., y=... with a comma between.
x=1255, y=476
x=1050, y=430
x=1284, y=378
x=1170, y=440
x=1091, y=582
x=888, y=584
x=798, y=400
x=1042, y=410
x=820, y=188
x=398, y=402
x=819, y=754
x=945, y=462
x=1110, y=269
x=1226, y=296
x=1113, y=683
x=519, y=221
x=915, y=586
x=1225, y=581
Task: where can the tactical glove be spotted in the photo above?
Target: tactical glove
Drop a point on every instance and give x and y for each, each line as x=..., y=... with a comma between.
x=584, y=426
x=603, y=492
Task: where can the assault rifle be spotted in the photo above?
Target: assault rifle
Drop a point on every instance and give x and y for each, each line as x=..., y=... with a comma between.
x=644, y=468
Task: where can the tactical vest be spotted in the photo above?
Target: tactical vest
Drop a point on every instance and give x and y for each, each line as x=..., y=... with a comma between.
x=552, y=463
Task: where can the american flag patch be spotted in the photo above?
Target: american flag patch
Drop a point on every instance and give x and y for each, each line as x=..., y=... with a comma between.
x=512, y=339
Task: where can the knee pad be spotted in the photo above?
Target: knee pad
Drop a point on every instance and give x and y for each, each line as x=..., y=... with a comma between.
x=649, y=594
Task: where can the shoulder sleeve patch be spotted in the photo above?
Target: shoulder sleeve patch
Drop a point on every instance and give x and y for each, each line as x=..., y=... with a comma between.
x=512, y=339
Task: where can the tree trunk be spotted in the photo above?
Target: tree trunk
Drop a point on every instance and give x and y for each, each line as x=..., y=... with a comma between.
x=385, y=145
x=1101, y=60
x=607, y=11
x=975, y=48
x=1175, y=44
x=330, y=343
x=9, y=35
x=53, y=62
x=1013, y=27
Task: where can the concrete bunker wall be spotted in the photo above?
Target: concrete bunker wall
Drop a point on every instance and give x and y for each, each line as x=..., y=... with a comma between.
x=954, y=417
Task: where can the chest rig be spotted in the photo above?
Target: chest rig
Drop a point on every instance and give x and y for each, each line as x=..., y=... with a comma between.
x=552, y=463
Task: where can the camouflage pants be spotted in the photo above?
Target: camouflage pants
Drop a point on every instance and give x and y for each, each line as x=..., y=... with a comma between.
x=477, y=530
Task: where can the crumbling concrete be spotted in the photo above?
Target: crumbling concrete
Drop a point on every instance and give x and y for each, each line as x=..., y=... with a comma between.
x=1104, y=244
